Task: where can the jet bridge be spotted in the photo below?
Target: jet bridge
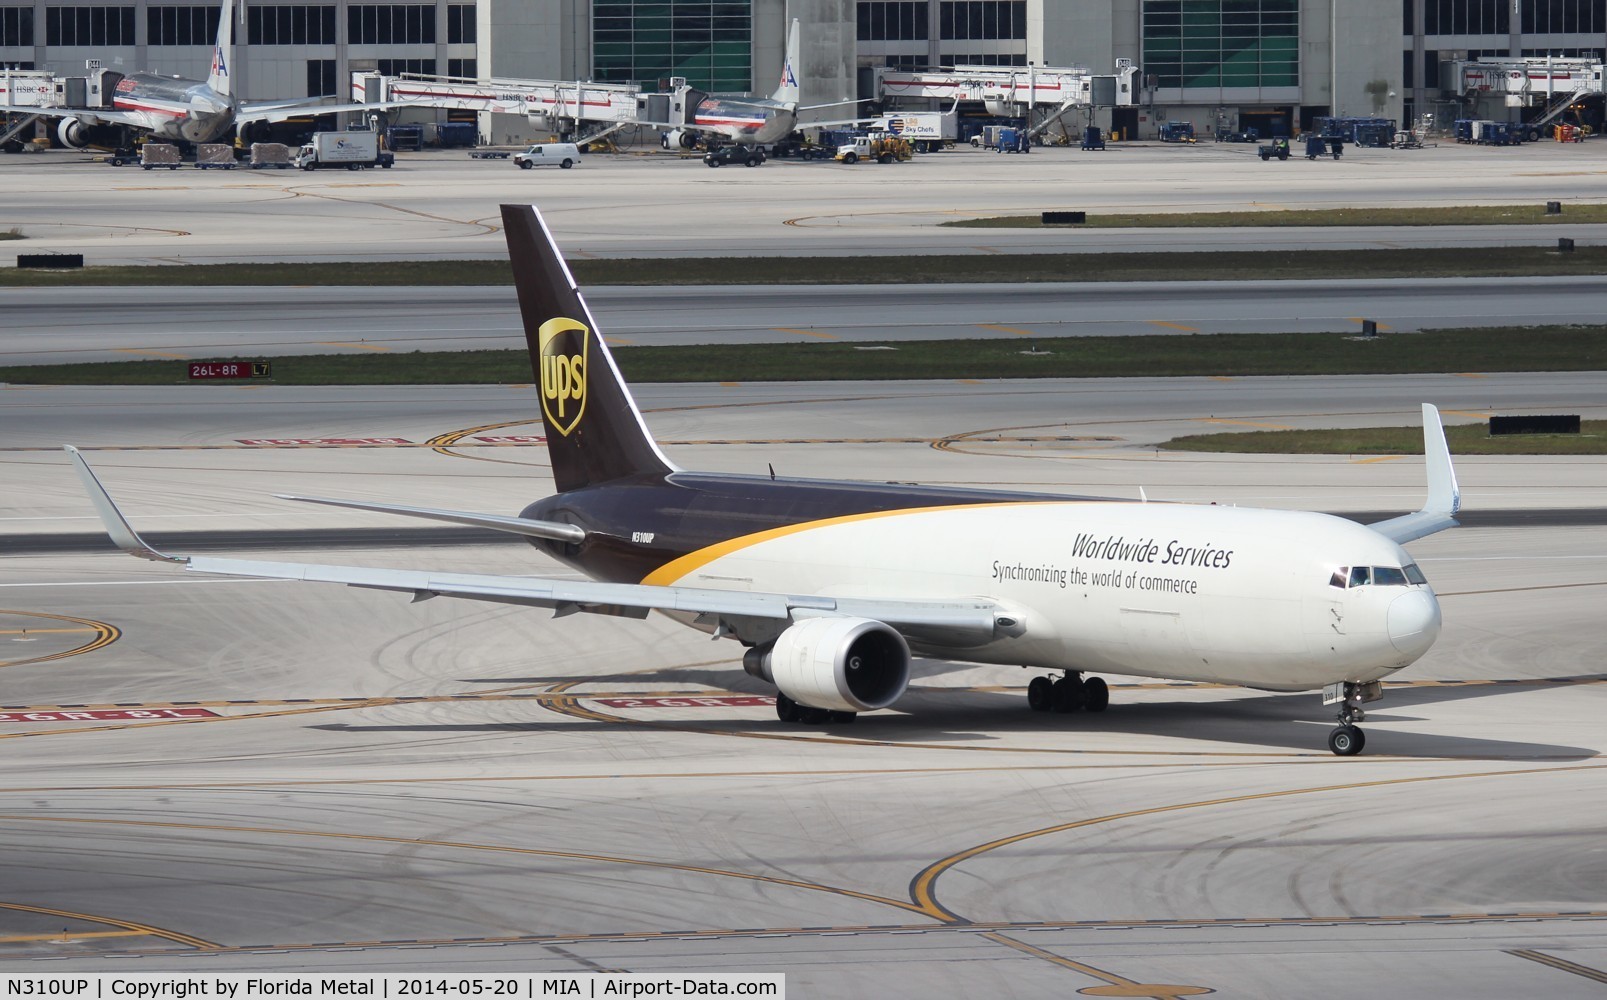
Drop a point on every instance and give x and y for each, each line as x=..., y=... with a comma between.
x=1545, y=81
x=562, y=105
x=1044, y=93
x=24, y=88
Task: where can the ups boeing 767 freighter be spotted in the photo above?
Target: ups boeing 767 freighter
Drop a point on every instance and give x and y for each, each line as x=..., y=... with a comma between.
x=832, y=585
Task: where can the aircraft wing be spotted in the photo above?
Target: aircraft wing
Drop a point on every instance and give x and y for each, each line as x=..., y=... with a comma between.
x=838, y=121
x=1444, y=496
x=280, y=111
x=955, y=623
x=98, y=116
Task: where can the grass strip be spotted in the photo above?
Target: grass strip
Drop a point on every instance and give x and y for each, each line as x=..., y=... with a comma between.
x=1455, y=215
x=1551, y=348
x=1267, y=265
x=1464, y=439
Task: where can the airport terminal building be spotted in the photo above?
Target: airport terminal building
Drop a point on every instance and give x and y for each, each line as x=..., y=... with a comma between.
x=1234, y=63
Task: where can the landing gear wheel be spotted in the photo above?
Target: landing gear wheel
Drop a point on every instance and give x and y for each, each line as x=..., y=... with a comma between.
x=1346, y=741
x=1039, y=693
x=787, y=710
x=813, y=716
x=1095, y=695
x=1066, y=695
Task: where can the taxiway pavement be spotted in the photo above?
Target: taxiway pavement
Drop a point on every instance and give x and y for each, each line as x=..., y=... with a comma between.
x=51, y=325
x=320, y=778
x=443, y=205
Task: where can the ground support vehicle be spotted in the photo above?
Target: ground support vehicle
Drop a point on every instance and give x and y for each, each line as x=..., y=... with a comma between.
x=748, y=156
x=549, y=154
x=886, y=150
x=214, y=156
x=928, y=131
x=1278, y=148
x=1317, y=146
x=274, y=155
x=800, y=149
x=1177, y=132
x=160, y=154
x=352, y=150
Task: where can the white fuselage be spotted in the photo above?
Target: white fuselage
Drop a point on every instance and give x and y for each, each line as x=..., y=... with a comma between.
x=174, y=108
x=1202, y=593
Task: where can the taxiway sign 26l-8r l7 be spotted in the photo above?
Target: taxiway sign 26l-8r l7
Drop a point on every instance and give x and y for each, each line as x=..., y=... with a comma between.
x=832, y=585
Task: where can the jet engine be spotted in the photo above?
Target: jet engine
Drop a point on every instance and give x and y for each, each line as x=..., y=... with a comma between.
x=841, y=664
x=70, y=132
x=677, y=138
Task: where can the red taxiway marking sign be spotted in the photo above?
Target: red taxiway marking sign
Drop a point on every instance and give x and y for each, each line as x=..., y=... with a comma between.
x=710, y=701
x=135, y=714
x=287, y=442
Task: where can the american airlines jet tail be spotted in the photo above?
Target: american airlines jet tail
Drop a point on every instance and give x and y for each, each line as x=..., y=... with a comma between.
x=176, y=109
x=832, y=586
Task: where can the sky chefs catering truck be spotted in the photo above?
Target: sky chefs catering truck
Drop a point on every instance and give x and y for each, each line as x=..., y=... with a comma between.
x=929, y=131
x=352, y=150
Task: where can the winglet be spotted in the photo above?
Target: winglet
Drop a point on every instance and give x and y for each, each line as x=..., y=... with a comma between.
x=1444, y=496
x=116, y=525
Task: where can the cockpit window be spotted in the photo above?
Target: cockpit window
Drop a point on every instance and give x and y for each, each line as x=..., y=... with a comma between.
x=1377, y=576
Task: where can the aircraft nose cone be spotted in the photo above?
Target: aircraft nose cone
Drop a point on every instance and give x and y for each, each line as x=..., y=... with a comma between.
x=1414, y=622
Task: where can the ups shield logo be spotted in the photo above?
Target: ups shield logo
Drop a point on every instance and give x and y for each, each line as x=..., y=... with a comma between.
x=563, y=349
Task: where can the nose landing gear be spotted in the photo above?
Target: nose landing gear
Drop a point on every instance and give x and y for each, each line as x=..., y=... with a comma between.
x=1346, y=740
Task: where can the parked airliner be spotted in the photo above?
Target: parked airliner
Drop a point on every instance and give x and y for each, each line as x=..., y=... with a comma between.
x=832, y=586
x=753, y=121
x=176, y=109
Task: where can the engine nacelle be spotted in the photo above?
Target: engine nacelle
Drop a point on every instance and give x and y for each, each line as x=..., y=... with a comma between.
x=841, y=664
x=679, y=138
x=70, y=132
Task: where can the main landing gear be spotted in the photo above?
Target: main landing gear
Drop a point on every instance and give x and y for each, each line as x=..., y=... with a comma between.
x=1068, y=693
x=1346, y=740
x=788, y=710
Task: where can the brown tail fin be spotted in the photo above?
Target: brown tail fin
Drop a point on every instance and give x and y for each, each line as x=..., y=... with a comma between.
x=595, y=434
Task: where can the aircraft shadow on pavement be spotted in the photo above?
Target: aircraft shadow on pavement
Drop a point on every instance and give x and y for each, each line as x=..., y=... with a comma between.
x=1253, y=722
x=1258, y=721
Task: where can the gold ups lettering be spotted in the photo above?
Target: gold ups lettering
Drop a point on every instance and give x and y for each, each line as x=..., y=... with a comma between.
x=563, y=347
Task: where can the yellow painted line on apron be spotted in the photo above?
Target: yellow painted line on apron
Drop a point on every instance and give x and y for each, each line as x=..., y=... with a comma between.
x=66, y=936
x=1245, y=423
x=1007, y=329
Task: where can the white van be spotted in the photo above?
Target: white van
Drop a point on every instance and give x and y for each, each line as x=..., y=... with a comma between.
x=547, y=154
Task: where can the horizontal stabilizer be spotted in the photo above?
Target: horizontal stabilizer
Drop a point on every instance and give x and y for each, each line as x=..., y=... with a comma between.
x=553, y=530
x=1444, y=496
